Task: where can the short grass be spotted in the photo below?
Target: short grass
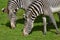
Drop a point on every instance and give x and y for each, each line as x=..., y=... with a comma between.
x=6, y=33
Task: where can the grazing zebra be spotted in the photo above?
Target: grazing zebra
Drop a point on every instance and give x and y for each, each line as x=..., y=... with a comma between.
x=34, y=9
x=13, y=6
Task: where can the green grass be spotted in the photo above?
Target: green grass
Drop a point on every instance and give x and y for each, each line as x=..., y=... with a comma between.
x=16, y=34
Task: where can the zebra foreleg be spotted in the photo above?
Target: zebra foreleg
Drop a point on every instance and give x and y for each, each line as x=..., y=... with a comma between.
x=54, y=23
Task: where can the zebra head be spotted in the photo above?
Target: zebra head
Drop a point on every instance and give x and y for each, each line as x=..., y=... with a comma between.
x=28, y=24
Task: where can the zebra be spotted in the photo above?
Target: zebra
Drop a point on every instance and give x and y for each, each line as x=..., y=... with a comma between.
x=12, y=7
x=35, y=9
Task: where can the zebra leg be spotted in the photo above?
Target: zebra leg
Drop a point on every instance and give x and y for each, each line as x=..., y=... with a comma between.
x=27, y=27
x=44, y=23
x=54, y=23
x=12, y=16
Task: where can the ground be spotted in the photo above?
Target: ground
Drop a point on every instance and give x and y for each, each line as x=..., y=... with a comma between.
x=6, y=33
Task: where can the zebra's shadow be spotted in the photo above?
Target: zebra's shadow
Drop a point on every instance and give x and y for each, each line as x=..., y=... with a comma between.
x=19, y=21
x=41, y=28
x=38, y=27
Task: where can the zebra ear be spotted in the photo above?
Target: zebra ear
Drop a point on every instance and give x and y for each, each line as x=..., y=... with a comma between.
x=5, y=10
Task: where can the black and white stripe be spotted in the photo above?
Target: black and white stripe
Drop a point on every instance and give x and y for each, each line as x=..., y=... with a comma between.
x=35, y=8
x=14, y=4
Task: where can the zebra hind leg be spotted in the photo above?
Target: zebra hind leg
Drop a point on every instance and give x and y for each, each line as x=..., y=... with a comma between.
x=44, y=23
x=54, y=23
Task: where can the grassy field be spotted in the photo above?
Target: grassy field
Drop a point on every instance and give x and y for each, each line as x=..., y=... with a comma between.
x=6, y=33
